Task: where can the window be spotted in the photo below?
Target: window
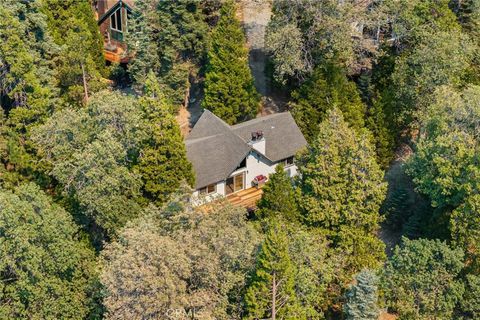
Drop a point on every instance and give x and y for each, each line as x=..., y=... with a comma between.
x=211, y=188
x=235, y=183
x=288, y=162
x=116, y=20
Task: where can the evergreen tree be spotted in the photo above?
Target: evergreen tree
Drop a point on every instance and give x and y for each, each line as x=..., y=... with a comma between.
x=314, y=270
x=66, y=16
x=81, y=62
x=169, y=38
x=342, y=190
x=46, y=270
x=421, y=280
x=377, y=123
x=469, y=15
x=278, y=198
x=342, y=185
x=271, y=294
x=163, y=162
x=229, y=89
x=143, y=25
x=327, y=88
x=361, y=298
x=27, y=91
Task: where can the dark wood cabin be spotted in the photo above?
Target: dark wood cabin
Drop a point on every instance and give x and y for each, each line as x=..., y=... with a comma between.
x=112, y=17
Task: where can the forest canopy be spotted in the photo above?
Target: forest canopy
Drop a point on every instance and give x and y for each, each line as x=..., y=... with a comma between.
x=101, y=214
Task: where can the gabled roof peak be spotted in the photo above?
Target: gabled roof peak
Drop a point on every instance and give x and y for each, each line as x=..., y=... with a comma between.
x=215, y=148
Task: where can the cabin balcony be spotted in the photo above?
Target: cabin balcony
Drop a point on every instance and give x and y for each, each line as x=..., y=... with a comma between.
x=115, y=56
x=115, y=52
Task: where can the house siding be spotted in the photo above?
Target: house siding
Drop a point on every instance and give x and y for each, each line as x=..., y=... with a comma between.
x=256, y=164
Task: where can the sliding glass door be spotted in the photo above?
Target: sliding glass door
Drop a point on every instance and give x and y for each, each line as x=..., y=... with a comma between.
x=235, y=183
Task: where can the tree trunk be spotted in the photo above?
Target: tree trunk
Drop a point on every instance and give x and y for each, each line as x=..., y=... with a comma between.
x=274, y=298
x=84, y=84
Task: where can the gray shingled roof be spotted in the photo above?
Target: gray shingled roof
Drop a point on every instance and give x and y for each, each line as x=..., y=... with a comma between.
x=282, y=136
x=216, y=149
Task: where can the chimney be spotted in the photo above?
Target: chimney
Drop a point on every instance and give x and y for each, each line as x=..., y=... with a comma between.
x=101, y=7
x=258, y=142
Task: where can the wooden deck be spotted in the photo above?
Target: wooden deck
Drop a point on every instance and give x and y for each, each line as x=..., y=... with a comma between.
x=246, y=198
x=115, y=57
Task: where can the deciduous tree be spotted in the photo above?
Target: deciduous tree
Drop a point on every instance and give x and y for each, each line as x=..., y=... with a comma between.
x=445, y=164
x=421, y=279
x=319, y=31
x=411, y=19
x=47, y=271
x=91, y=152
x=471, y=299
x=184, y=260
x=465, y=230
x=427, y=66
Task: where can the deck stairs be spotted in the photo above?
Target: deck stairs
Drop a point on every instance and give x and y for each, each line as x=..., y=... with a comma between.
x=246, y=198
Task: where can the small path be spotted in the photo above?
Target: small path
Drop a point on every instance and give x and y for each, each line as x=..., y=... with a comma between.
x=398, y=180
x=187, y=117
x=255, y=16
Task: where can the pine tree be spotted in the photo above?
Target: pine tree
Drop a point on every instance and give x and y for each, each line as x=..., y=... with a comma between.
x=271, y=293
x=342, y=190
x=140, y=39
x=278, y=199
x=77, y=16
x=468, y=12
x=383, y=138
x=27, y=91
x=340, y=179
x=163, y=163
x=169, y=38
x=328, y=88
x=361, y=298
x=229, y=89
x=81, y=63
x=26, y=84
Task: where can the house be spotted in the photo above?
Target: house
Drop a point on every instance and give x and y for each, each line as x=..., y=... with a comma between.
x=112, y=18
x=227, y=159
